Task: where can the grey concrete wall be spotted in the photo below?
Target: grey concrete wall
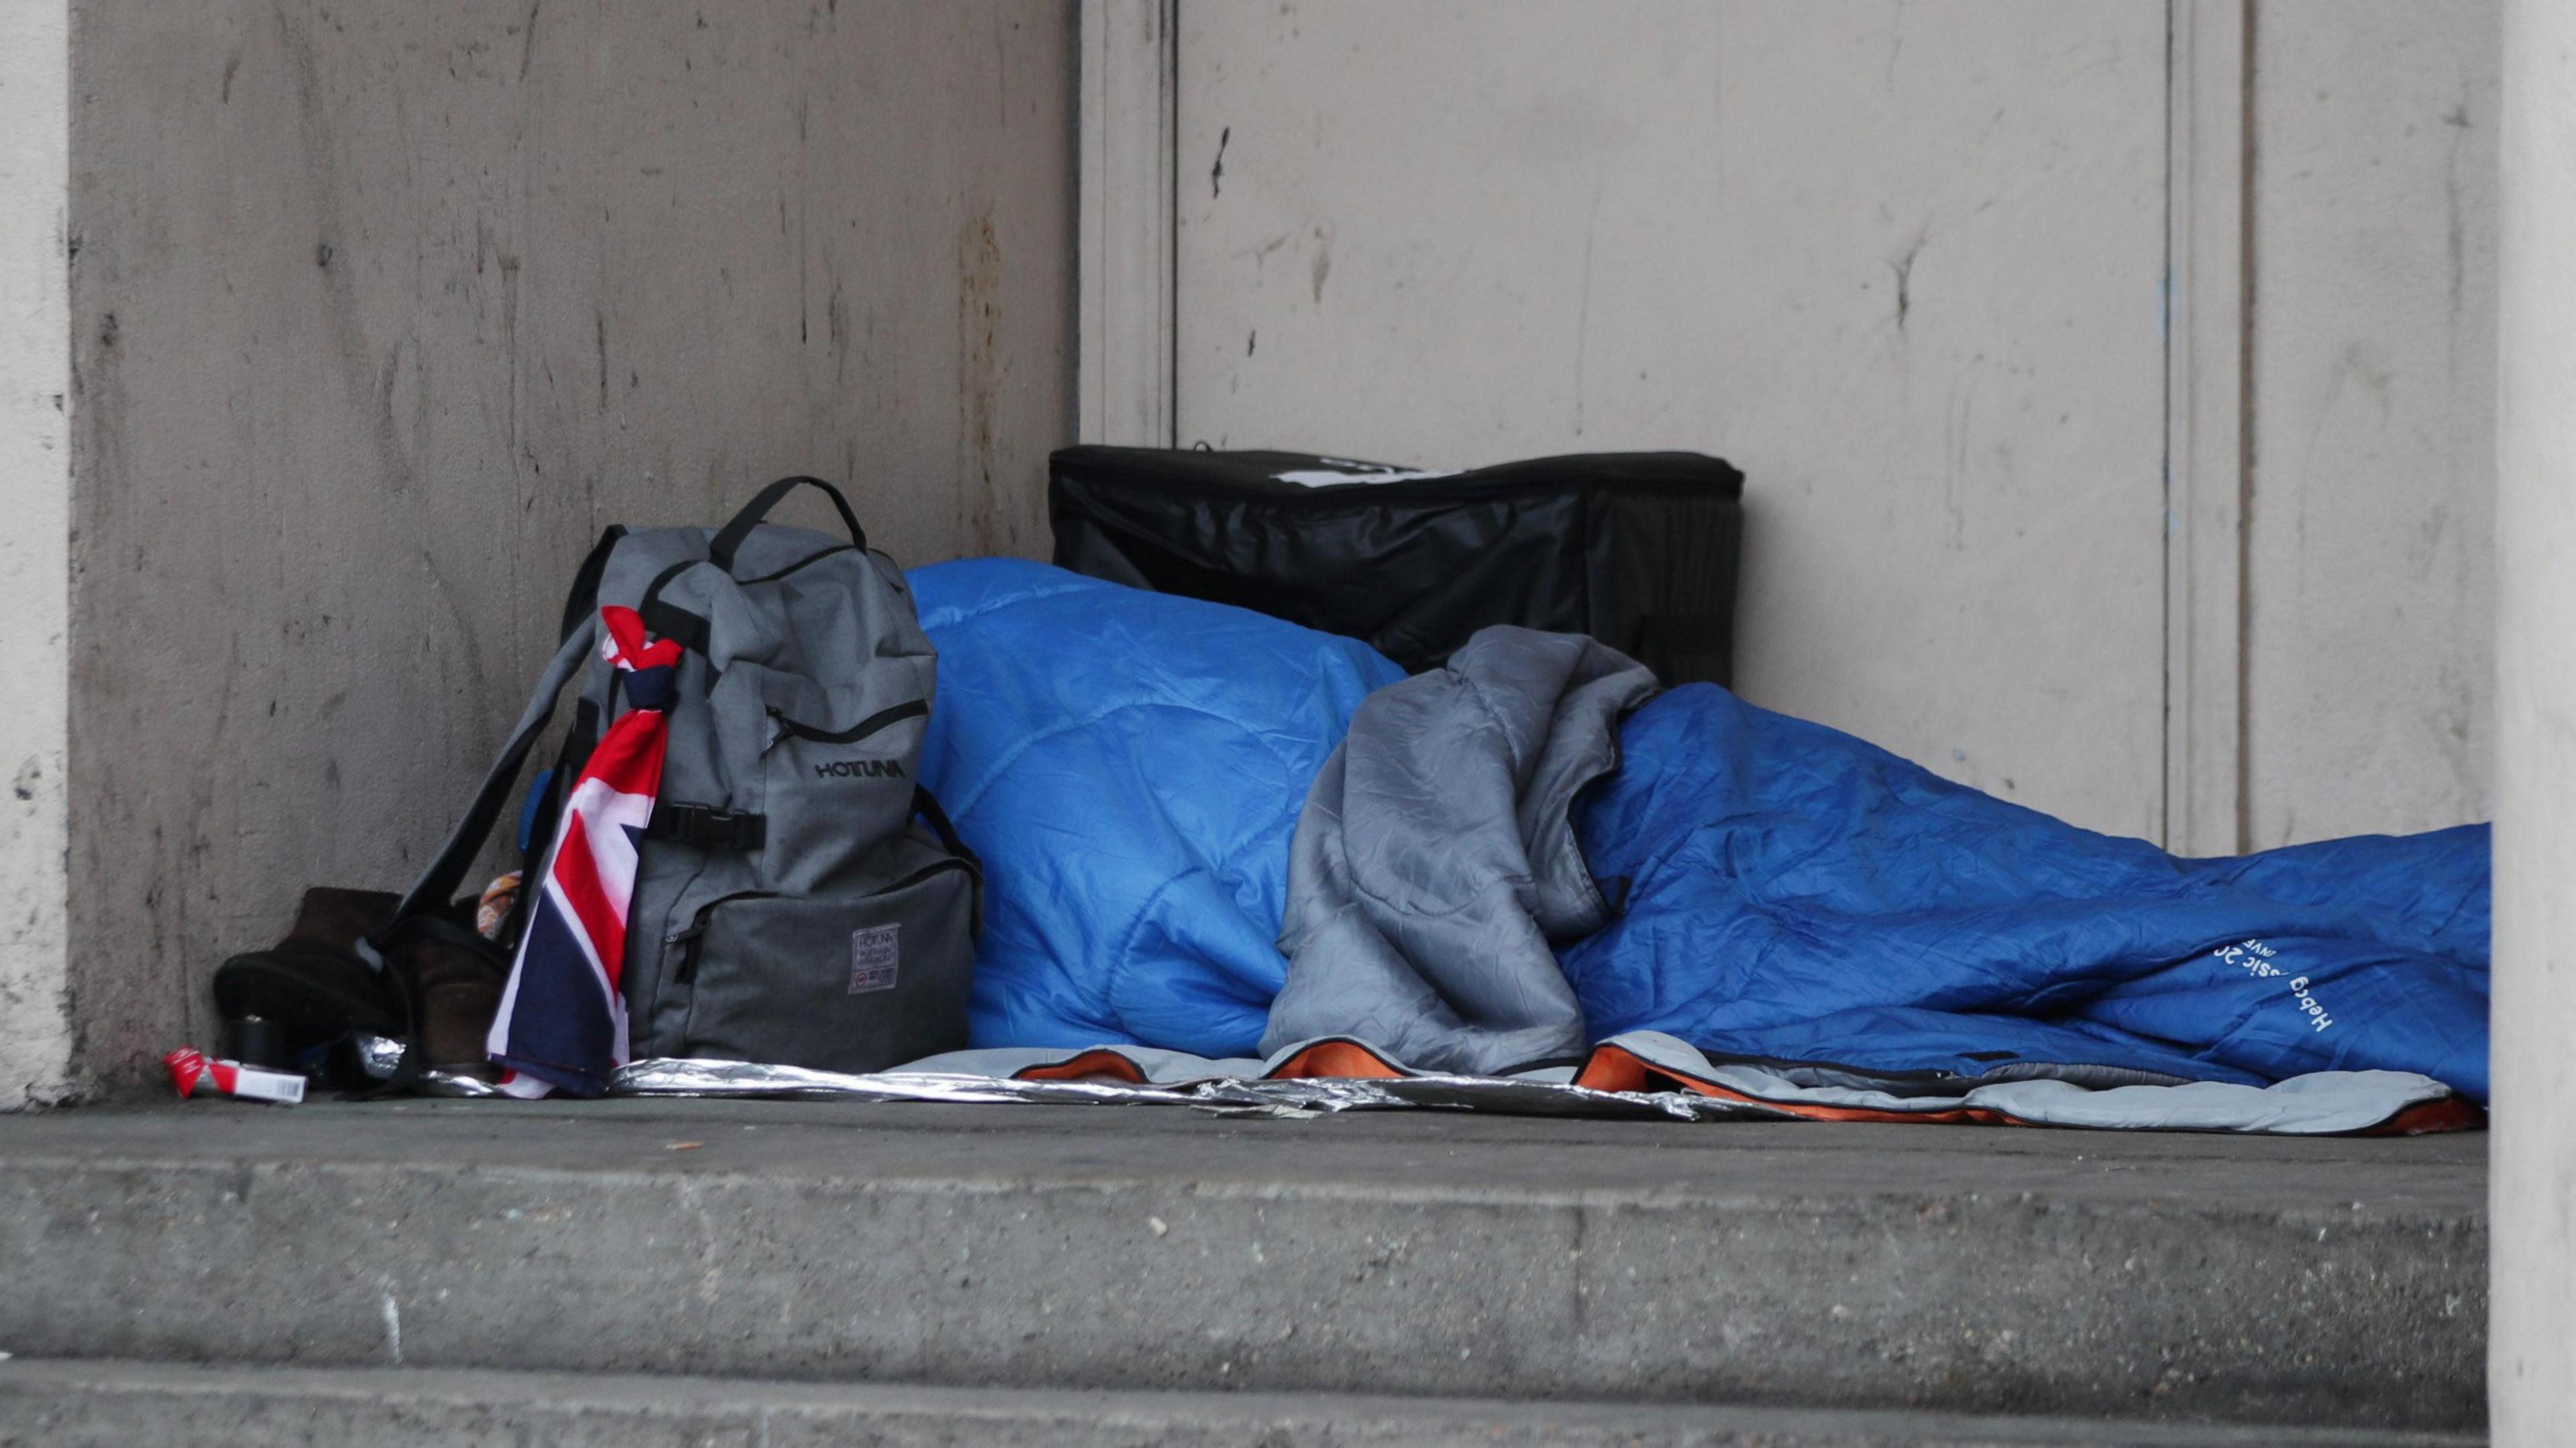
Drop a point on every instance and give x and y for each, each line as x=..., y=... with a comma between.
x=2370, y=595
x=35, y=501
x=2532, y=1194
x=381, y=310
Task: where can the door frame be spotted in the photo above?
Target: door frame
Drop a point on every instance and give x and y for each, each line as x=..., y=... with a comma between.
x=2208, y=426
x=1129, y=262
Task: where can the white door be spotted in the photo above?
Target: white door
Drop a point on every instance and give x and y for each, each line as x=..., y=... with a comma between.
x=1903, y=265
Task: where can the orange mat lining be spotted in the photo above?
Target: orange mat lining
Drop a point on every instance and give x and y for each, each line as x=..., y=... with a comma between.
x=1091, y=1065
x=1616, y=1068
x=1322, y=1061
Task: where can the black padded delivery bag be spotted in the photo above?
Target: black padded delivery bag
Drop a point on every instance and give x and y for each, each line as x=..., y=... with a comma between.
x=1636, y=549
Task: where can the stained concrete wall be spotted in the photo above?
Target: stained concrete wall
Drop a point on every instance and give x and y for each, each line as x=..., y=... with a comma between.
x=35, y=501
x=381, y=310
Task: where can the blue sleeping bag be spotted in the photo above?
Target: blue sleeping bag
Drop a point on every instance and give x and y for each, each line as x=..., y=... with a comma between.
x=1796, y=894
x=1131, y=765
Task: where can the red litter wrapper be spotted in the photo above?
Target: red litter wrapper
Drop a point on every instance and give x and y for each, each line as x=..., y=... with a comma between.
x=195, y=1075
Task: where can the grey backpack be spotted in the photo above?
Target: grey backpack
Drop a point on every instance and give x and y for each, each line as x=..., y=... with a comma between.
x=799, y=898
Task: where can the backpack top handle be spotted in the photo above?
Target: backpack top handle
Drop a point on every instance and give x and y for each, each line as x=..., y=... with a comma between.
x=728, y=541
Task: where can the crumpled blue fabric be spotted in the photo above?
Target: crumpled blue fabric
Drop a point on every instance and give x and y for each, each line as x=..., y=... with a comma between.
x=1796, y=894
x=1131, y=765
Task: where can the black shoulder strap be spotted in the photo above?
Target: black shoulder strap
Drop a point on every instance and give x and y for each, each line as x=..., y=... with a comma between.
x=583, y=599
x=668, y=619
x=581, y=602
x=926, y=805
x=437, y=884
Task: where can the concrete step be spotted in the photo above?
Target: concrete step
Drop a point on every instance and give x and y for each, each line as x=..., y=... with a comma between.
x=125, y=1405
x=1951, y=1269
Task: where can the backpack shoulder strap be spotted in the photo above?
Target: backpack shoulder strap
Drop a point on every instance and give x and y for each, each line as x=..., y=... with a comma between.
x=583, y=599
x=581, y=604
x=446, y=871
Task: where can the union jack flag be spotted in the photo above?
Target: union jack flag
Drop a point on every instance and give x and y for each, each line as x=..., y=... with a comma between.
x=562, y=1022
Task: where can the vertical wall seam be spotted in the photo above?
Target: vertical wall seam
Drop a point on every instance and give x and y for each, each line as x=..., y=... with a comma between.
x=2245, y=455
x=1126, y=346
x=1171, y=310
x=2174, y=63
x=2207, y=425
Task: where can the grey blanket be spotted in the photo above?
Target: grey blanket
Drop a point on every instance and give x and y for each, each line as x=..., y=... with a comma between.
x=1435, y=861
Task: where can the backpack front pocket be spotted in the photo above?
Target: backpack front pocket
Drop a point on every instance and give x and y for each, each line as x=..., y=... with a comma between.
x=837, y=771
x=845, y=983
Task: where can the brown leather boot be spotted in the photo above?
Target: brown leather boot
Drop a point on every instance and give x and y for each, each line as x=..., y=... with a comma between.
x=453, y=978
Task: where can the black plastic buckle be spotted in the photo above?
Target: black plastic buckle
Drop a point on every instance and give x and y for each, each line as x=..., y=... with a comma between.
x=707, y=827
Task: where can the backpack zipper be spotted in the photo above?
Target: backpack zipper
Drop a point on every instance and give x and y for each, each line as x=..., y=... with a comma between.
x=692, y=936
x=874, y=723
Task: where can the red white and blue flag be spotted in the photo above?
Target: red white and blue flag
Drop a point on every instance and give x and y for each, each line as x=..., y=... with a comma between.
x=562, y=1023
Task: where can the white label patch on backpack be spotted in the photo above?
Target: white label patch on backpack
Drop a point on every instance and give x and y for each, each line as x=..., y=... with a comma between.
x=874, y=954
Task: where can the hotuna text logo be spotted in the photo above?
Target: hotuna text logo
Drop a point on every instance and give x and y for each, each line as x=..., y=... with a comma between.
x=860, y=769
